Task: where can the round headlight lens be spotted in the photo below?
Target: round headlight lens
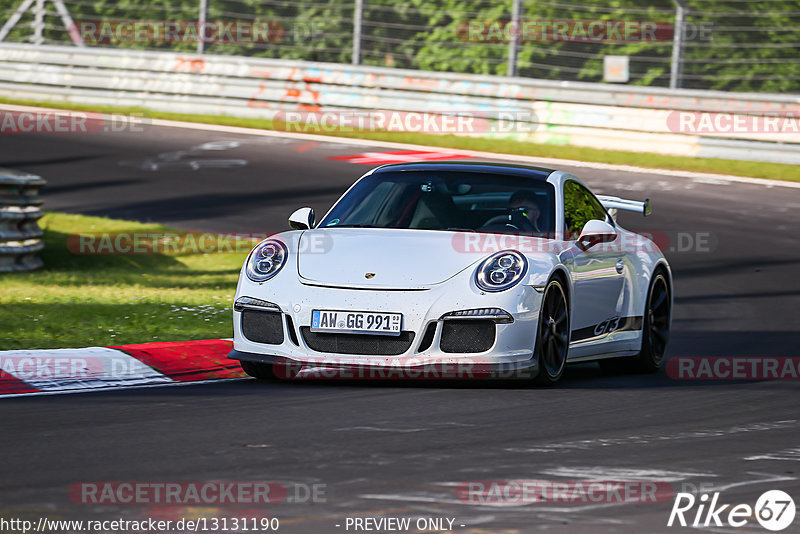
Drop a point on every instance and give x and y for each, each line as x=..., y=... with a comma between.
x=268, y=251
x=266, y=260
x=264, y=266
x=501, y=271
x=505, y=262
x=497, y=276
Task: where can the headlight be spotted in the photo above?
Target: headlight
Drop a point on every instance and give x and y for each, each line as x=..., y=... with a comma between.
x=266, y=260
x=501, y=271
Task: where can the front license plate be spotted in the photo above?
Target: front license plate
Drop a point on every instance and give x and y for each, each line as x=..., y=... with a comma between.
x=353, y=322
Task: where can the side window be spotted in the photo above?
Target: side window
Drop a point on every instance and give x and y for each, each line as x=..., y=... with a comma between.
x=580, y=206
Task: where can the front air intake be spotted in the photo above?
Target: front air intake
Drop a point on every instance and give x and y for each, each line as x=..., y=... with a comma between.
x=367, y=344
x=427, y=338
x=463, y=336
x=263, y=326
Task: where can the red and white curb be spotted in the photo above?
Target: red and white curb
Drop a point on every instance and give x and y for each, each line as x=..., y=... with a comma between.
x=147, y=364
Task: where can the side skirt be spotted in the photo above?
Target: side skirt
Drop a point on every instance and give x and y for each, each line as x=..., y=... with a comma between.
x=592, y=357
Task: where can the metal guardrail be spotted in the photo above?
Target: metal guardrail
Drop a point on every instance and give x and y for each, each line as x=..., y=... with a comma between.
x=600, y=116
x=20, y=211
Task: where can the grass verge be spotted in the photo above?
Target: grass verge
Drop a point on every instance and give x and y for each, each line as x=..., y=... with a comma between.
x=86, y=300
x=753, y=169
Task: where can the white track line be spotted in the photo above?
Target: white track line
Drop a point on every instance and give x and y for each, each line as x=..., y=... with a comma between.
x=705, y=177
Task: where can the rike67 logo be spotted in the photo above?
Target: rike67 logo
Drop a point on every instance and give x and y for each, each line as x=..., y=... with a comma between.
x=774, y=510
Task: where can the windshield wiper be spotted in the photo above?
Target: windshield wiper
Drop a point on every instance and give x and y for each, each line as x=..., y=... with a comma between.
x=352, y=226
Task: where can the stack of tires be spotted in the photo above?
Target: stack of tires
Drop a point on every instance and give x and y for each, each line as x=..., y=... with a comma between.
x=20, y=211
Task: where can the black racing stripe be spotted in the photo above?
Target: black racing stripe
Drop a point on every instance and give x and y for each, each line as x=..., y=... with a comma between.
x=625, y=323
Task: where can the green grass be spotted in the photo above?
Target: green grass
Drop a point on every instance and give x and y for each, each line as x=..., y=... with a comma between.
x=82, y=300
x=754, y=169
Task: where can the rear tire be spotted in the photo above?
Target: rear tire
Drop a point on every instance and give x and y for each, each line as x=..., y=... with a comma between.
x=552, y=337
x=655, y=332
x=261, y=371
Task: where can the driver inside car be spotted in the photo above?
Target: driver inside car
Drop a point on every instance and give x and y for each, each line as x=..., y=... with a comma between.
x=524, y=211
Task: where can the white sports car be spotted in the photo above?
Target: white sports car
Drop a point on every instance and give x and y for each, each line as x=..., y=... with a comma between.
x=459, y=270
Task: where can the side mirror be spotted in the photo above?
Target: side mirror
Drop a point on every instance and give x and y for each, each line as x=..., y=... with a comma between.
x=302, y=219
x=596, y=231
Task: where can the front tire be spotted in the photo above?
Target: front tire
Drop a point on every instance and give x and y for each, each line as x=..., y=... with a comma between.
x=261, y=371
x=552, y=338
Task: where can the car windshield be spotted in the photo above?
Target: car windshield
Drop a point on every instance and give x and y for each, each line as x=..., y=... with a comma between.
x=448, y=200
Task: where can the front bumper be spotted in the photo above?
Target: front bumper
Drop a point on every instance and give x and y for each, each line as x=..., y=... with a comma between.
x=510, y=352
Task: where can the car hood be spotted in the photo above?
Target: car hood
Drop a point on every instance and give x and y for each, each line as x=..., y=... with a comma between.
x=396, y=259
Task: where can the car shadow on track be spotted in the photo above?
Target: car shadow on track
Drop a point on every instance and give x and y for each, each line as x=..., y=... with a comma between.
x=576, y=376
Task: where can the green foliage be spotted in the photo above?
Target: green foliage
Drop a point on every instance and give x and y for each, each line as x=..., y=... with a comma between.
x=732, y=46
x=733, y=60
x=579, y=208
x=441, y=48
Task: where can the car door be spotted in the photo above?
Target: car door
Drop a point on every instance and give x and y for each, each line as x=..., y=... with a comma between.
x=597, y=272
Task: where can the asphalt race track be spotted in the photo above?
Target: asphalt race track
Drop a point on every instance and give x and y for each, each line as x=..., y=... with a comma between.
x=401, y=449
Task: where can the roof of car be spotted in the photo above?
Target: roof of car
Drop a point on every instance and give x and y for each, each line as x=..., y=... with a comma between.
x=470, y=166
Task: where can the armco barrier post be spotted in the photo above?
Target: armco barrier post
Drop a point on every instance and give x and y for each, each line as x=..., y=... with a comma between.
x=20, y=211
x=677, y=44
x=513, y=43
x=358, y=21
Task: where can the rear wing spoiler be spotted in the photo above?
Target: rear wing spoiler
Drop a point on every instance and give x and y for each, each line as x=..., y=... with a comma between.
x=612, y=204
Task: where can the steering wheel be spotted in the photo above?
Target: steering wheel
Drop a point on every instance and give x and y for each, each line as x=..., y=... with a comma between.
x=521, y=223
